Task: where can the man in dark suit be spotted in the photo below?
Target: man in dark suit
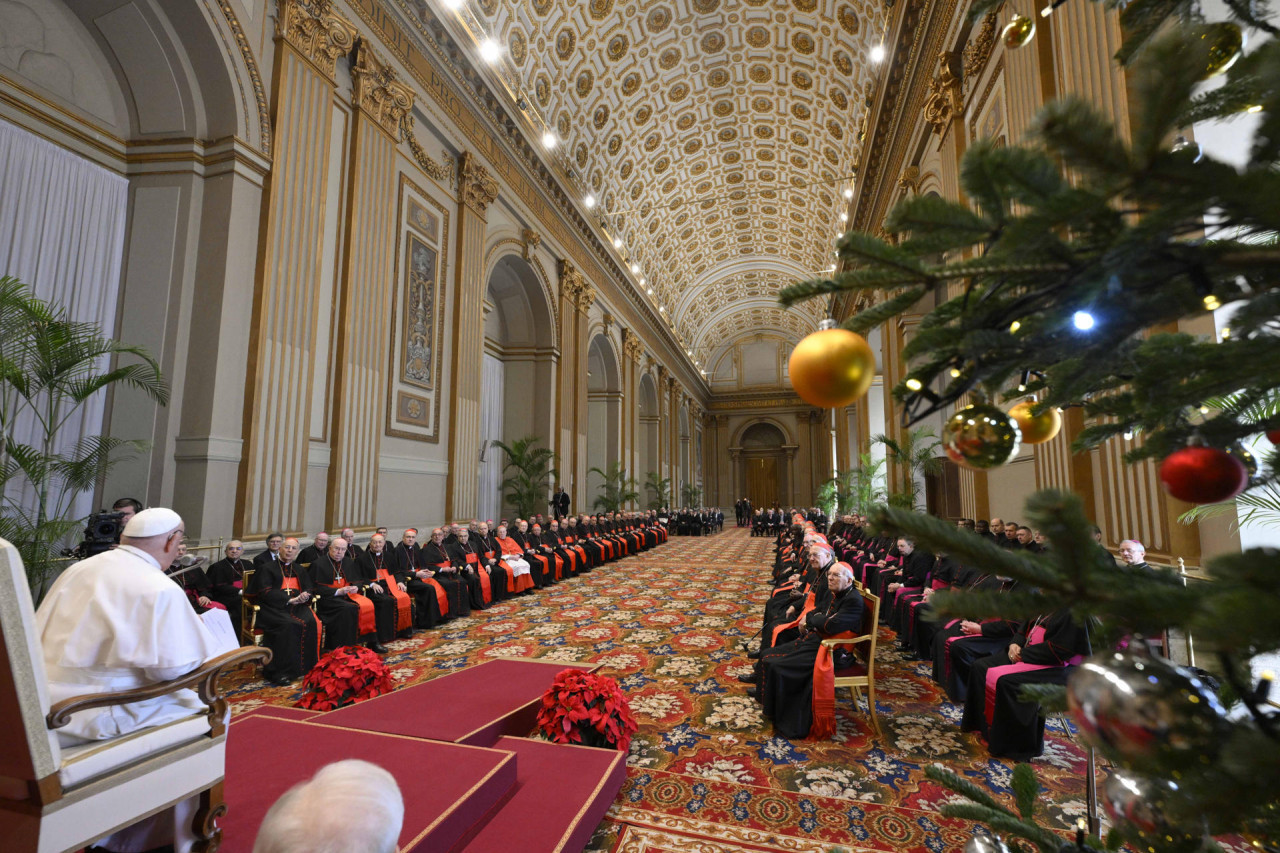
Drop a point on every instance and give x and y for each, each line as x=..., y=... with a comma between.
x=272, y=554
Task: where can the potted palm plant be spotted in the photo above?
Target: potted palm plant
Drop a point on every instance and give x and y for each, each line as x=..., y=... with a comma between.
x=659, y=489
x=915, y=455
x=617, y=490
x=50, y=366
x=531, y=469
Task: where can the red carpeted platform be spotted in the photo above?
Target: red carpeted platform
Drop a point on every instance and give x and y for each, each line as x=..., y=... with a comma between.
x=561, y=795
x=278, y=712
x=474, y=706
x=266, y=756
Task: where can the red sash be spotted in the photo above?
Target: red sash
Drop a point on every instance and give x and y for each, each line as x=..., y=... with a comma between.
x=442, y=597
x=824, y=691
x=799, y=620
x=483, y=574
x=997, y=672
x=368, y=622
x=404, y=606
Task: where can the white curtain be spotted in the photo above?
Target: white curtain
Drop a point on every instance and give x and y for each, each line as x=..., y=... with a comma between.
x=62, y=224
x=492, y=387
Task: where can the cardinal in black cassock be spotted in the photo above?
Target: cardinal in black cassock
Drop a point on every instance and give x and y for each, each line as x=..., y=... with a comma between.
x=436, y=557
x=1044, y=652
x=787, y=686
x=290, y=629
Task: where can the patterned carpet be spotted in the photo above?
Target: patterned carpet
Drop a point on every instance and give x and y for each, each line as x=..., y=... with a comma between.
x=706, y=771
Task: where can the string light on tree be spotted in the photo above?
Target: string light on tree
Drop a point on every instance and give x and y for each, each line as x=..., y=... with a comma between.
x=831, y=367
x=1083, y=320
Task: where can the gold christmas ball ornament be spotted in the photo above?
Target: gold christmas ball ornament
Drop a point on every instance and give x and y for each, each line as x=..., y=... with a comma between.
x=832, y=368
x=1222, y=43
x=1018, y=31
x=980, y=437
x=1036, y=429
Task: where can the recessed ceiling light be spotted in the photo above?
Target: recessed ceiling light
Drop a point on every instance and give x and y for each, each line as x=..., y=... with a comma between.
x=844, y=216
x=848, y=192
x=642, y=280
x=549, y=140
x=490, y=51
x=877, y=53
x=617, y=242
x=589, y=201
x=453, y=4
x=635, y=269
x=662, y=308
x=650, y=291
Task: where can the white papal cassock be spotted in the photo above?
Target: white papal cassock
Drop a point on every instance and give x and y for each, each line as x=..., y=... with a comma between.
x=113, y=622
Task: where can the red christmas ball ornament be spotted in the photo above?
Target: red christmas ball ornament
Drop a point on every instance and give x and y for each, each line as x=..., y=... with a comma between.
x=1273, y=435
x=1203, y=475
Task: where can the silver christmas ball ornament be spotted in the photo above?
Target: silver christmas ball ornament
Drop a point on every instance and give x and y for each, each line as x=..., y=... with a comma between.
x=1149, y=806
x=1144, y=712
x=985, y=844
x=1191, y=147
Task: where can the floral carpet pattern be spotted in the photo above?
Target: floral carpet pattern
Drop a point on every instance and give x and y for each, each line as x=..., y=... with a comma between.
x=706, y=771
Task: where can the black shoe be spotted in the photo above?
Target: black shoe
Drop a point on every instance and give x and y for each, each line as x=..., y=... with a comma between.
x=754, y=655
x=754, y=693
x=749, y=679
x=378, y=648
x=283, y=681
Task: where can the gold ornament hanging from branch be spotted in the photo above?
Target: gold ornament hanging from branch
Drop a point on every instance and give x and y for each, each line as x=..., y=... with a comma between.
x=831, y=368
x=1222, y=43
x=1036, y=429
x=980, y=437
x=1018, y=32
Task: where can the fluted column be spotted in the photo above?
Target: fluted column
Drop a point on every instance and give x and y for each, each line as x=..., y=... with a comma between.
x=632, y=350
x=673, y=452
x=364, y=296
x=665, y=425
x=576, y=297
x=310, y=38
x=476, y=191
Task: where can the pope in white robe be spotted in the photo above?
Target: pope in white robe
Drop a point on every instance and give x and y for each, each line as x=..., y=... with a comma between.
x=114, y=622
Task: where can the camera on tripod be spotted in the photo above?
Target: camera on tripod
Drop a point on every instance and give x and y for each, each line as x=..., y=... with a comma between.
x=101, y=533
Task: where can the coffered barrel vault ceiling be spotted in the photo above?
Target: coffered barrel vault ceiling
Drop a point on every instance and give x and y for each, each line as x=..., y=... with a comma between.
x=717, y=135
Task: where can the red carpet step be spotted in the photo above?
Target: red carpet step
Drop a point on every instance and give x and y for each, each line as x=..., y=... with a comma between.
x=473, y=706
x=561, y=794
x=266, y=756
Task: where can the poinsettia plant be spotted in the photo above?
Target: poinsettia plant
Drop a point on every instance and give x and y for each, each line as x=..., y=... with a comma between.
x=589, y=709
x=343, y=677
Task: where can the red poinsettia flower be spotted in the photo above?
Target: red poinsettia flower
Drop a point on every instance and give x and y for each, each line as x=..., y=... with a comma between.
x=344, y=676
x=581, y=707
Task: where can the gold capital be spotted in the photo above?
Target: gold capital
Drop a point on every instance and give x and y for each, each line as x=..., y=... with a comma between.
x=376, y=92
x=316, y=31
x=476, y=187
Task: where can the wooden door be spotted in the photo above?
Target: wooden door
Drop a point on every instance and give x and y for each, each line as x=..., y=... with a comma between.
x=762, y=481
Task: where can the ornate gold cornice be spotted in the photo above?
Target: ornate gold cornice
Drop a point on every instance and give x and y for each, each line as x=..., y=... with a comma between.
x=316, y=31
x=476, y=187
x=377, y=93
x=946, y=96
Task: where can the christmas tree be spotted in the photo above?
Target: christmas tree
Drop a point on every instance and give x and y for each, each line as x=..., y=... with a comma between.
x=1077, y=257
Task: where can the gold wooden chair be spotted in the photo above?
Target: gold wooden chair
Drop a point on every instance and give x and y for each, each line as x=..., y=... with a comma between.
x=863, y=673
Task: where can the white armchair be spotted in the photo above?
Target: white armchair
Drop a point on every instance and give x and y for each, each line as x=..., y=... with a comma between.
x=55, y=799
